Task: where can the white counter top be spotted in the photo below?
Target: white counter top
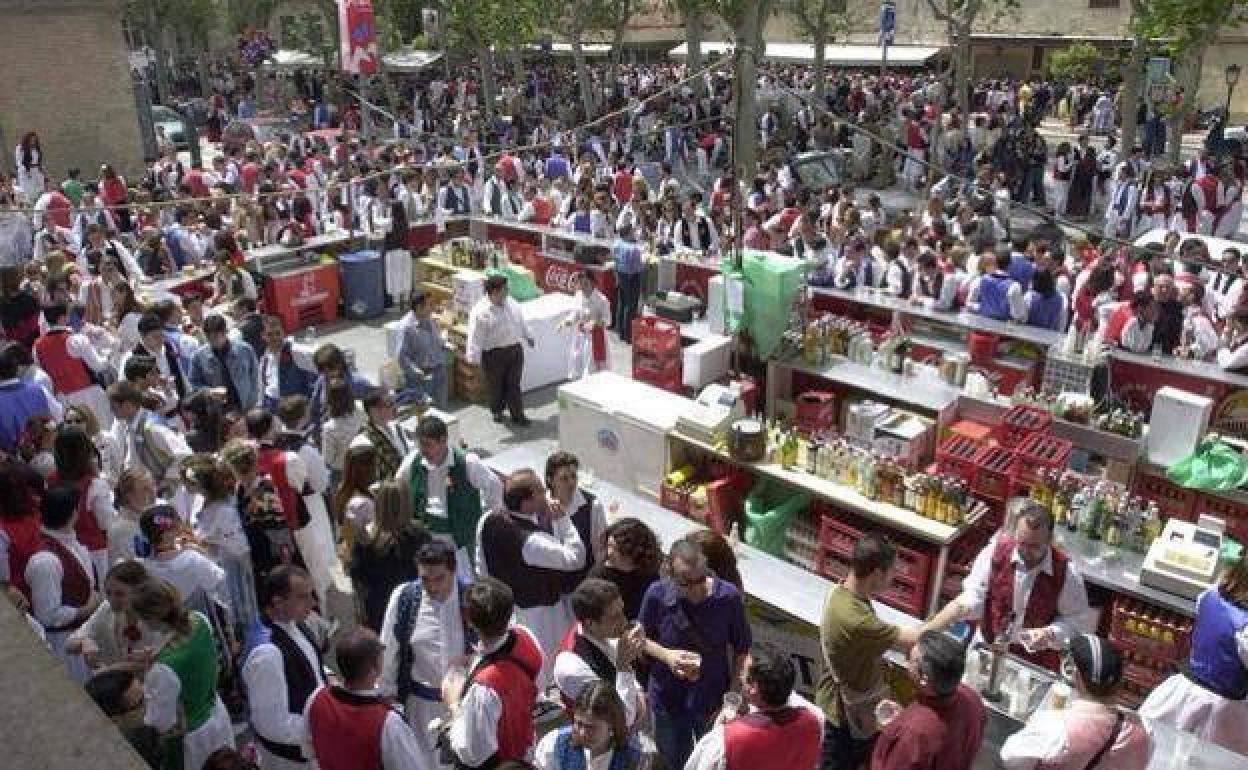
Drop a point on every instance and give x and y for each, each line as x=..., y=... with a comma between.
x=930, y=394
x=774, y=582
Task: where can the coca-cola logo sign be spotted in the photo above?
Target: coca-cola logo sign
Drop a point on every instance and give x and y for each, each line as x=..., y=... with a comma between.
x=559, y=277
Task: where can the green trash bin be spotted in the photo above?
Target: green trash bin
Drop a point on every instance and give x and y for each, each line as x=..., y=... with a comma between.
x=769, y=509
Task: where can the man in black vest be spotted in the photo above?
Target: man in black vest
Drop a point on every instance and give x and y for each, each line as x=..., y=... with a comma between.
x=281, y=669
x=601, y=647
x=585, y=510
x=530, y=545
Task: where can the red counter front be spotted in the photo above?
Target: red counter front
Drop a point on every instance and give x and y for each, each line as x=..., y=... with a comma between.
x=304, y=297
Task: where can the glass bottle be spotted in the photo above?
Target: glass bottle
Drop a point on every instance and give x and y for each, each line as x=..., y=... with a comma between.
x=1078, y=509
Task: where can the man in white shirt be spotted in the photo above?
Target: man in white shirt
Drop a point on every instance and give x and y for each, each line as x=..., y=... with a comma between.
x=496, y=327
x=72, y=362
x=143, y=441
x=774, y=722
x=449, y=488
x=515, y=546
x=281, y=670
x=352, y=726
x=484, y=726
x=695, y=231
x=424, y=634
x=601, y=647
x=1023, y=587
x=64, y=589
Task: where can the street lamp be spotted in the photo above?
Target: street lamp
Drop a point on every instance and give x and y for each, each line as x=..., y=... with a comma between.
x=1232, y=78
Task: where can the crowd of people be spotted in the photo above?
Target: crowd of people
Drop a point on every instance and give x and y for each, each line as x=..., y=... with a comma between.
x=181, y=483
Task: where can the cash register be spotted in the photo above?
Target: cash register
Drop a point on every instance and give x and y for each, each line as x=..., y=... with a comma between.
x=712, y=414
x=1184, y=559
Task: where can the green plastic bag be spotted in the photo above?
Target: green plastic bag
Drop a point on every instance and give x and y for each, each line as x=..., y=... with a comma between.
x=769, y=509
x=1215, y=465
x=520, y=283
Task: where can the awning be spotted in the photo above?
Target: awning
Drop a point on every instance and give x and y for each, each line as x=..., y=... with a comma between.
x=836, y=55
x=287, y=59
x=591, y=50
x=410, y=60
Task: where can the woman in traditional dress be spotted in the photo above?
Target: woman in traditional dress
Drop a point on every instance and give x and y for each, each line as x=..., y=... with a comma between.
x=1210, y=697
x=180, y=688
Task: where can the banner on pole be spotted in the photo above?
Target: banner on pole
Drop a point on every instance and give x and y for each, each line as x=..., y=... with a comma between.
x=888, y=22
x=358, y=37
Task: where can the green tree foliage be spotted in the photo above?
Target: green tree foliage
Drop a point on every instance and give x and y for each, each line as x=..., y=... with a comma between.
x=1078, y=61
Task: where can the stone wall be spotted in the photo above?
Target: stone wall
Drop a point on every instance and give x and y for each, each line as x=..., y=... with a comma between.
x=67, y=77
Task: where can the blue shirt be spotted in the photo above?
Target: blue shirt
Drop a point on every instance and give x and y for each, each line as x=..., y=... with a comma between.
x=721, y=624
x=627, y=257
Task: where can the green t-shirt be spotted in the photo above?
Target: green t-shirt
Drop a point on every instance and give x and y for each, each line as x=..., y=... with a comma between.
x=73, y=190
x=854, y=641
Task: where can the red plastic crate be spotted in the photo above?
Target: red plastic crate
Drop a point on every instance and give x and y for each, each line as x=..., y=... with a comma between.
x=656, y=336
x=909, y=598
x=1040, y=451
x=956, y=456
x=674, y=499
x=1235, y=514
x=1172, y=499
x=994, y=473
x=1019, y=422
x=725, y=498
x=816, y=411
x=837, y=537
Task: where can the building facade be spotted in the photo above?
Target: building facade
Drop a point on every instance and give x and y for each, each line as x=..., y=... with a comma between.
x=67, y=77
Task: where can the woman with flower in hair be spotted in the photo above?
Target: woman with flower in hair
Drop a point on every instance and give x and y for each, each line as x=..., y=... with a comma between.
x=176, y=556
x=220, y=532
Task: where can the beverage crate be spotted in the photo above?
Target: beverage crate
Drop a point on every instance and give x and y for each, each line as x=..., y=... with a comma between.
x=900, y=594
x=675, y=499
x=1040, y=451
x=1235, y=514
x=1019, y=422
x=836, y=536
x=956, y=456
x=994, y=473
x=1066, y=375
x=655, y=336
x=667, y=379
x=1172, y=499
x=1145, y=630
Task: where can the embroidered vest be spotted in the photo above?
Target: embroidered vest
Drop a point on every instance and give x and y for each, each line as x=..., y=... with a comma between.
x=463, y=501
x=1041, y=604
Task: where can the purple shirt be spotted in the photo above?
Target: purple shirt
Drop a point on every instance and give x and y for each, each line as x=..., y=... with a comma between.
x=725, y=633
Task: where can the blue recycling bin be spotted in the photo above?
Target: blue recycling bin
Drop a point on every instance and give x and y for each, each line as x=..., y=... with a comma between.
x=363, y=276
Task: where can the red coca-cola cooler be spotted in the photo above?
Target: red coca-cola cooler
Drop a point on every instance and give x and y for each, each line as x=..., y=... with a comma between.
x=304, y=297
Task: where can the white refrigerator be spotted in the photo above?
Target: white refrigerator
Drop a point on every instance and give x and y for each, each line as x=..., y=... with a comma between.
x=617, y=428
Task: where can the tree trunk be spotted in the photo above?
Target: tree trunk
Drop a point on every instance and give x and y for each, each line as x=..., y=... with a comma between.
x=821, y=67
x=1132, y=75
x=516, y=54
x=582, y=71
x=1189, y=81
x=617, y=43
x=693, y=38
x=156, y=36
x=488, y=88
x=962, y=68
x=749, y=38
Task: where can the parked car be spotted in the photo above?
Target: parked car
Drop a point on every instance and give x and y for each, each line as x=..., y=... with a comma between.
x=171, y=122
x=242, y=131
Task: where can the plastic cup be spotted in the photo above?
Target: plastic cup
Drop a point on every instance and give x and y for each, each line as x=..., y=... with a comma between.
x=886, y=711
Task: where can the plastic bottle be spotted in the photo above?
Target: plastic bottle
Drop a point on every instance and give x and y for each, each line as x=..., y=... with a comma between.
x=1077, y=510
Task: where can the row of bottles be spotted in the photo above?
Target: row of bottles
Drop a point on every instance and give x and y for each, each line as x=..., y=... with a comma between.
x=1100, y=512
x=831, y=335
x=1153, y=624
x=1122, y=422
x=882, y=479
x=894, y=351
